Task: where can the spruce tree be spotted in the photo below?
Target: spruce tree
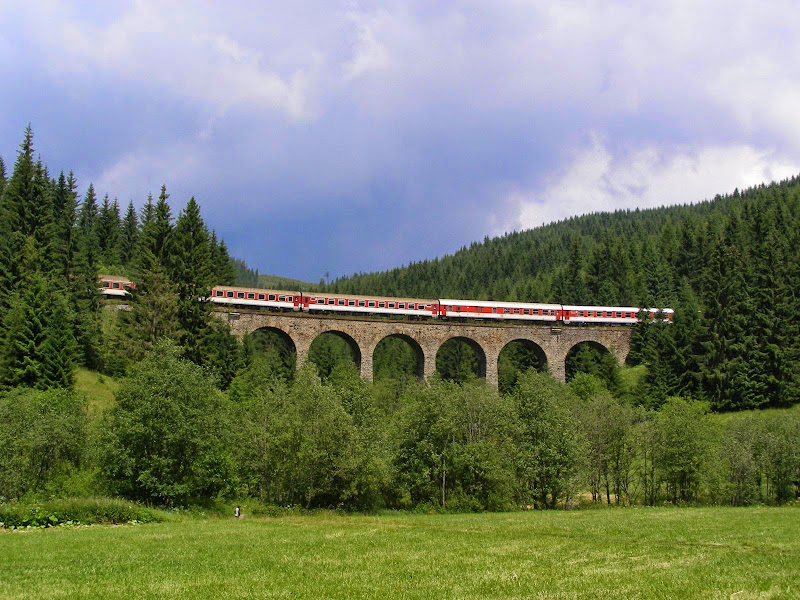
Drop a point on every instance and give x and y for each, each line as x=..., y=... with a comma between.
x=727, y=304
x=224, y=271
x=86, y=296
x=108, y=231
x=38, y=347
x=129, y=235
x=19, y=196
x=2, y=177
x=64, y=221
x=191, y=271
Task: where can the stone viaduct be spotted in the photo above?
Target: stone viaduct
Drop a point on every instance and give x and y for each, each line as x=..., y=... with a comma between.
x=553, y=343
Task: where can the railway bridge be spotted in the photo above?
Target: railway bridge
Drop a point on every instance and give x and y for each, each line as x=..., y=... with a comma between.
x=553, y=343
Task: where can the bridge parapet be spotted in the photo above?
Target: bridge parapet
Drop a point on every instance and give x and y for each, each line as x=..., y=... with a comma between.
x=491, y=338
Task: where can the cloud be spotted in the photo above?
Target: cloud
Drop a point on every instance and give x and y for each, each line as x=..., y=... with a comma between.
x=405, y=127
x=649, y=177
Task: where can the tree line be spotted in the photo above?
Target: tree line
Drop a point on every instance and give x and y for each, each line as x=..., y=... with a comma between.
x=53, y=245
x=729, y=267
x=172, y=438
x=200, y=415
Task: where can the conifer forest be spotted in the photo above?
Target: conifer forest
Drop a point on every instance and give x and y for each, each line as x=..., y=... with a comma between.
x=706, y=410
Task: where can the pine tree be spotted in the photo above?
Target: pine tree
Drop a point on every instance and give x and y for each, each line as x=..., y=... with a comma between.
x=64, y=220
x=153, y=312
x=59, y=349
x=108, y=231
x=2, y=177
x=224, y=271
x=86, y=296
x=129, y=235
x=727, y=304
x=191, y=271
x=38, y=348
x=19, y=197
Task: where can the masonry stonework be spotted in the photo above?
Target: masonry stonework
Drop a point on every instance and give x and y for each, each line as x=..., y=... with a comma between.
x=488, y=339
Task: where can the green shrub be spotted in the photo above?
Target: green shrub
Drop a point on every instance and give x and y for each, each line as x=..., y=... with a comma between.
x=75, y=511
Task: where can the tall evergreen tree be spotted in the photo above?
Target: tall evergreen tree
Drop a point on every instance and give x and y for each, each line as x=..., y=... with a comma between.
x=129, y=235
x=2, y=177
x=86, y=296
x=20, y=196
x=727, y=303
x=108, y=231
x=64, y=218
x=38, y=349
x=224, y=271
x=192, y=273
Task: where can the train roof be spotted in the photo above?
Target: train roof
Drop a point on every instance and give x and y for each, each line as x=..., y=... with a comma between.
x=491, y=303
x=378, y=298
x=603, y=308
x=113, y=278
x=237, y=288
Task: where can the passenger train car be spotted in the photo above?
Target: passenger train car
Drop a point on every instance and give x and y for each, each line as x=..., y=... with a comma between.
x=326, y=303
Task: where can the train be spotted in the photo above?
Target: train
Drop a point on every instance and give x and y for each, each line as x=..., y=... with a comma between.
x=424, y=308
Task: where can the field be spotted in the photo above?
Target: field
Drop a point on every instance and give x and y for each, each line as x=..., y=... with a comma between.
x=625, y=553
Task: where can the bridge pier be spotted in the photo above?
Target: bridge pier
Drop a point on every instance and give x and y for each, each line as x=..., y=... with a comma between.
x=427, y=337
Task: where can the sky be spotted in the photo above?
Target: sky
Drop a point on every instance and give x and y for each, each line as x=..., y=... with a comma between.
x=328, y=138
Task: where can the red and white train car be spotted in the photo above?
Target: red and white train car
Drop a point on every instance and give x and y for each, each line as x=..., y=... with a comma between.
x=616, y=315
x=325, y=302
x=488, y=309
x=240, y=296
x=111, y=285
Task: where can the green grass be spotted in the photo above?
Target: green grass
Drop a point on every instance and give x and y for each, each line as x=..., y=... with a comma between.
x=625, y=553
x=98, y=389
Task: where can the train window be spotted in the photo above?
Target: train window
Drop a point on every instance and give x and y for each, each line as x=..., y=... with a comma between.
x=494, y=311
x=271, y=297
x=401, y=305
x=115, y=285
x=106, y=284
x=619, y=314
x=251, y=296
x=341, y=302
x=331, y=301
x=351, y=303
x=391, y=304
x=240, y=294
x=261, y=296
x=229, y=294
x=371, y=304
x=281, y=298
x=361, y=302
x=220, y=293
x=381, y=304
x=506, y=311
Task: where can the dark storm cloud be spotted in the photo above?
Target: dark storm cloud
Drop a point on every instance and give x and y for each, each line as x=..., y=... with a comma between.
x=342, y=137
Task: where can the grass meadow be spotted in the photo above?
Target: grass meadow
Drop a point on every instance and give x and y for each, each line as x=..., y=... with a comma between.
x=613, y=553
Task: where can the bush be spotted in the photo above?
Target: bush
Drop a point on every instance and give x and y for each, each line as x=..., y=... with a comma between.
x=75, y=511
x=42, y=437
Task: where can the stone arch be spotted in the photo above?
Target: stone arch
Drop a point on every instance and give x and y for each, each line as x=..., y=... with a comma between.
x=535, y=348
x=480, y=353
x=355, y=349
x=415, y=347
x=597, y=345
x=266, y=337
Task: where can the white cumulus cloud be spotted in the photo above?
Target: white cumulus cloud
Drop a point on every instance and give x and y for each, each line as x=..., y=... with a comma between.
x=595, y=180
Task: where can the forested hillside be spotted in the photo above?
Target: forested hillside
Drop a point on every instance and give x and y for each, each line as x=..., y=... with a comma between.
x=197, y=415
x=730, y=267
x=53, y=245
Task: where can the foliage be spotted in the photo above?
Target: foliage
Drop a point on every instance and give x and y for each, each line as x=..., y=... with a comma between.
x=167, y=435
x=549, y=446
x=42, y=435
x=75, y=511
